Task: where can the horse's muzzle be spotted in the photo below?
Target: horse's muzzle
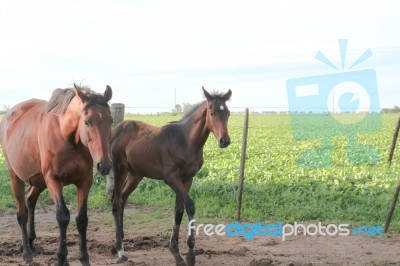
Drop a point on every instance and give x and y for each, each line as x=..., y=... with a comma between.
x=224, y=142
x=104, y=168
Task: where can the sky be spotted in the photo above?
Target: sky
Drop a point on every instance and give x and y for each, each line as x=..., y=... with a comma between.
x=147, y=50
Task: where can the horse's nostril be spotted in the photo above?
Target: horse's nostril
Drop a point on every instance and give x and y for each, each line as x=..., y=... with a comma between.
x=223, y=143
x=104, y=167
x=99, y=167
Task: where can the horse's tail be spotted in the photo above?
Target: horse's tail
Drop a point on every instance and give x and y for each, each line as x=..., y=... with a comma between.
x=110, y=184
x=396, y=134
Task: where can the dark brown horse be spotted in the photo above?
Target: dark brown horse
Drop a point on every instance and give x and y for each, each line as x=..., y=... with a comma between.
x=53, y=144
x=173, y=153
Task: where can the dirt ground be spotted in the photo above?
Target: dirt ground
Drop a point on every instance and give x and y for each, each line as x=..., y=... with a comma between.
x=147, y=244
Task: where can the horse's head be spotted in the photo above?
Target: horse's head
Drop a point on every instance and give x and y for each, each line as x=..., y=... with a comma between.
x=94, y=129
x=217, y=117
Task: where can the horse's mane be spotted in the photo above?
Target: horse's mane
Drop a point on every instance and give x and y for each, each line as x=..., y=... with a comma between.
x=215, y=95
x=61, y=98
x=191, y=111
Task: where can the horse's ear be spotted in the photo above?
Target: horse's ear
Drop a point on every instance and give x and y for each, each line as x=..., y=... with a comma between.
x=84, y=98
x=108, y=93
x=206, y=94
x=227, y=96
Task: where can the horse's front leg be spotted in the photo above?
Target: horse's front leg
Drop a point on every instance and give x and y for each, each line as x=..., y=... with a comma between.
x=63, y=218
x=190, y=211
x=62, y=214
x=174, y=243
x=183, y=202
x=82, y=220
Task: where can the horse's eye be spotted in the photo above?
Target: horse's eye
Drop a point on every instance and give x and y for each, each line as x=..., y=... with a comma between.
x=87, y=123
x=212, y=114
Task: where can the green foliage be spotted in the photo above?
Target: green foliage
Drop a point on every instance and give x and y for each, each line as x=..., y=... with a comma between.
x=276, y=187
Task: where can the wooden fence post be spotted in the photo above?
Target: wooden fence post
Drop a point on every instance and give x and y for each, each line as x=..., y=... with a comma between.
x=397, y=191
x=118, y=113
x=392, y=207
x=242, y=163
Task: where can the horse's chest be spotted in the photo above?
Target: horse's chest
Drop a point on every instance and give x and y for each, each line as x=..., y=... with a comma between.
x=191, y=167
x=71, y=162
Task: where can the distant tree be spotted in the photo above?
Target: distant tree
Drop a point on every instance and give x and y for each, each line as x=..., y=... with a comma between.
x=177, y=109
x=186, y=107
x=395, y=109
x=5, y=109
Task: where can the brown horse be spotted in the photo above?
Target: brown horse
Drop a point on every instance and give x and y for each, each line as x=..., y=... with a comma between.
x=173, y=153
x=53, y=144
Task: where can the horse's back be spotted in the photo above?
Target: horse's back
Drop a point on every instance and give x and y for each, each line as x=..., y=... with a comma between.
x=21, y=119
x=18, y=133
x=131, y=130
x=140, y=134
x=131, y=133
x=151, y=151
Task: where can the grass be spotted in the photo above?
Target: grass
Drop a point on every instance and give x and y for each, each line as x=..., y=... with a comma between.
x=276, y=187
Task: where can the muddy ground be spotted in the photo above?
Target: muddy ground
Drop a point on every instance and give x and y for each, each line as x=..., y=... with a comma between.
x=146, y=242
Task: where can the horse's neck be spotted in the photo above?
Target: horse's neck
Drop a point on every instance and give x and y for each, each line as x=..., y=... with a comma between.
x=196, y=126
x=69, y=121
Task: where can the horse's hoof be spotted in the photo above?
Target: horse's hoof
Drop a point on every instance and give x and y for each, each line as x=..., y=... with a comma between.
x=85, y=262
x=181, y=263
x=122, y=259
x=28, y=258
x=29, y=261
x=190, y=259
x=84, y=259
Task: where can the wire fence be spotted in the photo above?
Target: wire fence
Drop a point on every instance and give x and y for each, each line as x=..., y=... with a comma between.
x=308, y=132
x=267, y=109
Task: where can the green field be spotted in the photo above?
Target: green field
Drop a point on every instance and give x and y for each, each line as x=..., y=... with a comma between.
x=276, y=187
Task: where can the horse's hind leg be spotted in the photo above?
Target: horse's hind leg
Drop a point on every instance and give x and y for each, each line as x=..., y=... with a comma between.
x=18, y=189
x=32, y=198
x=119, y=181
x=130, y=185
